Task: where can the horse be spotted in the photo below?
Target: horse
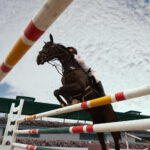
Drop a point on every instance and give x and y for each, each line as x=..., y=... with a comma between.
x=77, y=86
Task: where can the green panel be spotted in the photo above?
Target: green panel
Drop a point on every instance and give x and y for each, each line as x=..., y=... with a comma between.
x=88, y=136
x=54, y=130
x=43, y=148
x=128, y=116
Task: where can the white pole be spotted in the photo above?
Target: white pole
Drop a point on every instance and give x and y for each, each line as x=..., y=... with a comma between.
x=142, y=124
x=141, y=91
x=46, y=15
x=133, y=125
x=127, y=143
x=133, y=136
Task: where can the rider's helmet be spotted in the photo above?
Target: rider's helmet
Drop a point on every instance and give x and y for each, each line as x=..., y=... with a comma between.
x=72, y=50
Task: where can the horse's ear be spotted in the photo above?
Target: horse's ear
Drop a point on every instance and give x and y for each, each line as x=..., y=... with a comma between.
x=51, y=38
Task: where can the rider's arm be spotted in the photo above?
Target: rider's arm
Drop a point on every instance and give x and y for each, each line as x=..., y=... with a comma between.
x=81, y=62
x=90, y=71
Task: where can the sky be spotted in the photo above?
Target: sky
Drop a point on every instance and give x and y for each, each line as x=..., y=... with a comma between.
x=112, y=36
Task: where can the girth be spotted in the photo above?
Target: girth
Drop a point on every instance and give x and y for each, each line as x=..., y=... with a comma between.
x=71, y=68
x=82, y=95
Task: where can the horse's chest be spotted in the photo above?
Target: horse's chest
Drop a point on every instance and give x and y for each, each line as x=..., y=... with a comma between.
x=67, y=80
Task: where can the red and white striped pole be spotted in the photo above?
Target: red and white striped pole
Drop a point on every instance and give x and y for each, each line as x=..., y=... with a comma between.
x=117, y=97
x=47, y=14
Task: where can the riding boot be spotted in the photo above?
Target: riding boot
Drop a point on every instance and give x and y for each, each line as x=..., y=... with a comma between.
x=100, y=89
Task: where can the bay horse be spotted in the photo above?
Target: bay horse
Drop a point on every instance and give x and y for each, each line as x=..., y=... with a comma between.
x=76, y=85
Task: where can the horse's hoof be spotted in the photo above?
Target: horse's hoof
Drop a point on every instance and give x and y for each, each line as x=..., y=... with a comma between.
x=75, y=101
x=62, y=105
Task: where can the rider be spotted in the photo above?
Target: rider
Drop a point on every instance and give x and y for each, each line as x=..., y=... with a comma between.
x=91, y=73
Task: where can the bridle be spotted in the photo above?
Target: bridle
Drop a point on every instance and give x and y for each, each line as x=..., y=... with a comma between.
x=67, y=57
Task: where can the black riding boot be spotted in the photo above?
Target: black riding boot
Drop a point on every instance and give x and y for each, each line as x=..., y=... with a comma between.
x=100, y=89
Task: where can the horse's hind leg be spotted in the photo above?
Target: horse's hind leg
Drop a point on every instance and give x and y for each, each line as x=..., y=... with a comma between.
x=116, y=136
x=101, y=140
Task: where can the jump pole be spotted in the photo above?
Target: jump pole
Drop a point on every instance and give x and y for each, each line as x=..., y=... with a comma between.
x=117, y=97
x=109, y=127
x=31, y=147
x=46, y=15
x=134, y=125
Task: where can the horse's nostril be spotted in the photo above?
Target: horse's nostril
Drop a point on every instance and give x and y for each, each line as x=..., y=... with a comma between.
x=38, y=60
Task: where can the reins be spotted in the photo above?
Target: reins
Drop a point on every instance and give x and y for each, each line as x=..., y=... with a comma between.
x=56, y=67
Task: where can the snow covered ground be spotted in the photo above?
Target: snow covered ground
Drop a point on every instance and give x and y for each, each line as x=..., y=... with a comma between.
x=113, y=36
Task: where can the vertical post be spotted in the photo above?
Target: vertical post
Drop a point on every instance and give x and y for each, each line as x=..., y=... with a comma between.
x=12, y=125
x=126, y=138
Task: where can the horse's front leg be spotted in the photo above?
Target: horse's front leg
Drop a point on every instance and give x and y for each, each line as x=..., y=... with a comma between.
x=66, y=92
x=57, y=95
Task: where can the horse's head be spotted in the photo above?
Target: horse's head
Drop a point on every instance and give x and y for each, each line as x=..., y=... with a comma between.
x=52, y=51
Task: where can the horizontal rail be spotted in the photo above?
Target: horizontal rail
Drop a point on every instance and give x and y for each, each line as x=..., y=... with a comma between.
x=133, y=136
x=134, y=125
x=31, y=147
x=120, y=96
